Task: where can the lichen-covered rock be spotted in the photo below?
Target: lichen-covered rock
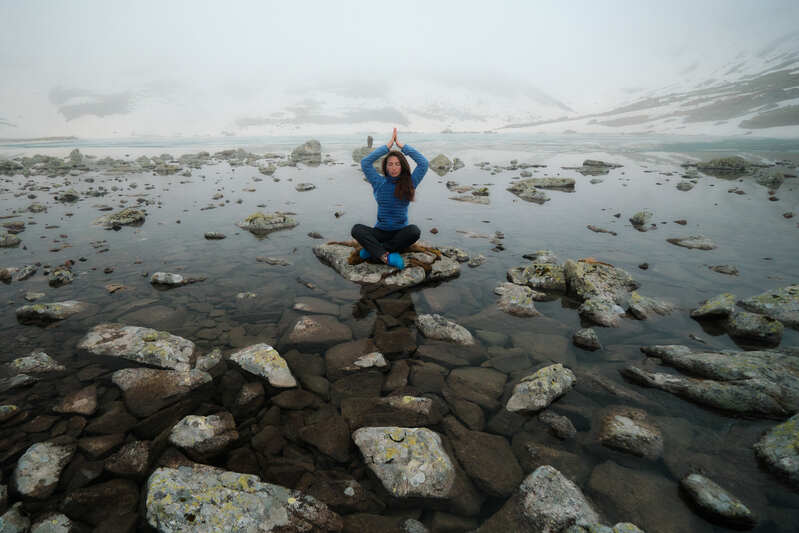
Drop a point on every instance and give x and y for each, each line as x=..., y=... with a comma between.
x=601, y=311
x=695, y=242
x=35, y=363
x=538, y=390
x=778, y=449
x=759, y=328
x=337, y=256
x=39, y=469
x=780, y=304
x=309, y=152
x=440, y=164
x=627, y=429
x=717, y=306
x=263, y=360
x=302, y=187
x=129, y=216
x=604, y=289
x=408, y=461
x=263, y=223
x=641, y=218
x=60, y=276
x=8, y=240
x=203, y=498
x=717, y=503
x=148, y=390
x=763, y=383
x=516, y=300
x=51, y=311
x=52, y=523
x=14, y=521
x=539, y=276
x=143, y=345
x=437, y=327
x=644, y=307
x=204, y=436
x=586, y=338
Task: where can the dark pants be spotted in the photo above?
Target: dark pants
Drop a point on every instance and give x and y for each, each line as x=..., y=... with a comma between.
x=378, y=241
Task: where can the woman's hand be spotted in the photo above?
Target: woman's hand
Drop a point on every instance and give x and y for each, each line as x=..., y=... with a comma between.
x=393, y=139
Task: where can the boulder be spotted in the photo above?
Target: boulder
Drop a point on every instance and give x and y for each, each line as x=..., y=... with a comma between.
x=758, y=328
x=263, y=223
x=538, y=390
x=127, y=217
x=780, y=304
x=310, y=152
x=778, y=450
x=437, y=327
x=586, y=338
x=39, y=469
x=517, y=300
x=264, y=361
x=718, y=306
x=539, y=276
x=203, y=498
x=759, y=383
x=142, y=345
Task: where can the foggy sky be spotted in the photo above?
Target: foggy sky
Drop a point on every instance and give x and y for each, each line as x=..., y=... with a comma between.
x=103, y=68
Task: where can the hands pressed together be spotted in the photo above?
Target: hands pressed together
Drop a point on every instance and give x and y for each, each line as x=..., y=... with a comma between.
x=394, y=140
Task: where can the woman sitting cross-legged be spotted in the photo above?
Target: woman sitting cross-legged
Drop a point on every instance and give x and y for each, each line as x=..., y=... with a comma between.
x=393, y=191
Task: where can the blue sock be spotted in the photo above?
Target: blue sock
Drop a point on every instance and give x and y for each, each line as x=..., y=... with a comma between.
x=395, y=260
x=364, y=253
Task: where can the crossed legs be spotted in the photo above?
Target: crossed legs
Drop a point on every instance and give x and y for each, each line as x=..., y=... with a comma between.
x=377, y=241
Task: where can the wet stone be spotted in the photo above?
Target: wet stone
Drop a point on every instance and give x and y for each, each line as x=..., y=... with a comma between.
x=51, y=311
x=760, y=328
x=98, y=503
x=204, y=436
x=717, y=306
x=538, y=390
x=780, y=304
x=778, y=450
x=695, y=242
x=148, y=390
x=142, y=345
x=39, y=469
x=717, y=503
x=132, y=460
x=517, y=300
x=14, y=520
x=53, y=523
x=35, y=363
x=627, y=429
x=309, y=332
x=264, y=361
x=408, y=411
x=82, y=402
x=586, y=338
x=559, y=425
x=437, y=327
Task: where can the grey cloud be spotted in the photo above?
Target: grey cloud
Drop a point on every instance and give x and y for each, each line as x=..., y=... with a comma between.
x=312, y=114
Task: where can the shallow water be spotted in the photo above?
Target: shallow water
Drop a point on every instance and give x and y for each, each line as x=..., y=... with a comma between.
x=750, y=232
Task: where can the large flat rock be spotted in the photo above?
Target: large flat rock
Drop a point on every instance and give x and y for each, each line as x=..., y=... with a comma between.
x=142, y=345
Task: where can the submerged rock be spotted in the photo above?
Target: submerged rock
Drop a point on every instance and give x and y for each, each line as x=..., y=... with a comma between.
x=717, y=503
x=538, y=390
x=695, y=242
x=778, y=449
x=408, y=461
x=586, y=338
x=762, y=383
x=8, y=240
x=437, y=327
x=718, y=306
x=148, y=390
x=127, y=217
x=338, y=255
x=39, y=469
x=143, y=345
x=169, y=279
x=263, y=360
x=60, y=276
x=759, y=328
x=517, y=299
x=51, y=311
x=204, y=436
x=627, y=429
x=14, y=521
x=780, y=304
x=35, y=363
x=263, y=223
x=203, y=498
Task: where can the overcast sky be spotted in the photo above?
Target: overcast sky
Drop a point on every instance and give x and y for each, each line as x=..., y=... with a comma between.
x=101, y=68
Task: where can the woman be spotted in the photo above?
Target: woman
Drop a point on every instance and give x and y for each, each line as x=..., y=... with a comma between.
x=393, y=192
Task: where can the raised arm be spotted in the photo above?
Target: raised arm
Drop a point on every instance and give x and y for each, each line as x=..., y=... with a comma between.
x=367, y=164
x=421, y=164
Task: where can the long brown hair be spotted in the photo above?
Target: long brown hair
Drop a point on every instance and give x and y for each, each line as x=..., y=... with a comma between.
x=404, y=188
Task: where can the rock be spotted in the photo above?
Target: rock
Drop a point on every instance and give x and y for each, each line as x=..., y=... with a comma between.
x=479, y=385
x=528, y=192
x=437, y=327
x=20, y=380
x=780, y=304
x=263, y=223
x=461, y=256
x=644, y=307
x=471, y=199
x=203, y=498
x=214, y=235
x=39, y=469
x=602, y=287
x=14, y=521
x=311, y=331
x=81, y=402
x=8, y=240
x=539, y=276
x=538, y=390
x=337, y=256
x=718, y=306
x=441, y=164
x=477, y=260
x=204, y=436
x=516, y=299
x=7, y=412
x=148, y=390
x=301, y=187
x=695, y=242
x=751, y=326
x=69, y=195
x=109, y=501
x=352, y=357
x=408, y=411
x=263, y=360
x=59, y=277
x=127, y=217
x=51, y=311
x=586, y=338
x=408, y=461
x=53, y=523
x=560, y=425
x=309, y=152
x=548, y=183
x=331, y=436
x=486, y=458
x=627, y=429
x=209, y=361
x=35, y=363
x=778, y=450
x=143, y=345
x=761, y=383
x=729, y=270
x=685, y=186
x=716, y=503
x=170, y=279
x=641, y=218
x=132, y=460
x=309, y=304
